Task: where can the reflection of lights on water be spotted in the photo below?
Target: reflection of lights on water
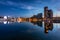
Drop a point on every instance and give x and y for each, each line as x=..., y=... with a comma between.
x=43, y=24
x=5, y=22
x=8, y=22
x=18, y=21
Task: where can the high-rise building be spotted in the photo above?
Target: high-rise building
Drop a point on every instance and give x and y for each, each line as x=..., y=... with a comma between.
x=45, y=11
x=50, y=14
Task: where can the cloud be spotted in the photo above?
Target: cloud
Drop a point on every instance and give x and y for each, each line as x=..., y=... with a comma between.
x=28, y=7
x=18, y=5
x=6, y=3
x=58, y=9
x=2, y=2
x=38, y=1
x=10, y=2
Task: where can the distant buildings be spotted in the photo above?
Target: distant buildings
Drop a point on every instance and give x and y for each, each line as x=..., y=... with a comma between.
x=1, y=18
x=13, y=19
x=21, y=19
x=38, y=16
x=48, y=15
x=33, y=18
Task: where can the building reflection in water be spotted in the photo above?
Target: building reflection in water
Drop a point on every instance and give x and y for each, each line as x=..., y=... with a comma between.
x=39, y=23
x=48, y=26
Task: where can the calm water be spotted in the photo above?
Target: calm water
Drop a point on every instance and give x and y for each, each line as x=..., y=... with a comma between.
x=28, y=31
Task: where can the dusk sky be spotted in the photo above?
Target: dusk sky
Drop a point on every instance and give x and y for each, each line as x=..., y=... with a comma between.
x=27, y=8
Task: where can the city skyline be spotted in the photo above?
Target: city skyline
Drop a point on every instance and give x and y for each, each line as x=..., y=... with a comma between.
x=28, y=8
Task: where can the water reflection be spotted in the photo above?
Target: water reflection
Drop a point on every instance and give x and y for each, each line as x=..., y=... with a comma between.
x=6, y=22
x=28, y=30
x=48, y=25
x=39, y=23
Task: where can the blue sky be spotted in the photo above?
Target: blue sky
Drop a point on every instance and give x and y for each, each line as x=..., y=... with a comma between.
x=27, y=8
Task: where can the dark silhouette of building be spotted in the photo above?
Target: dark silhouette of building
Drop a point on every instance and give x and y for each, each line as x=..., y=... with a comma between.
x=34, y=16
x=45, y=11
x=39, y=15
x=50, y=14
